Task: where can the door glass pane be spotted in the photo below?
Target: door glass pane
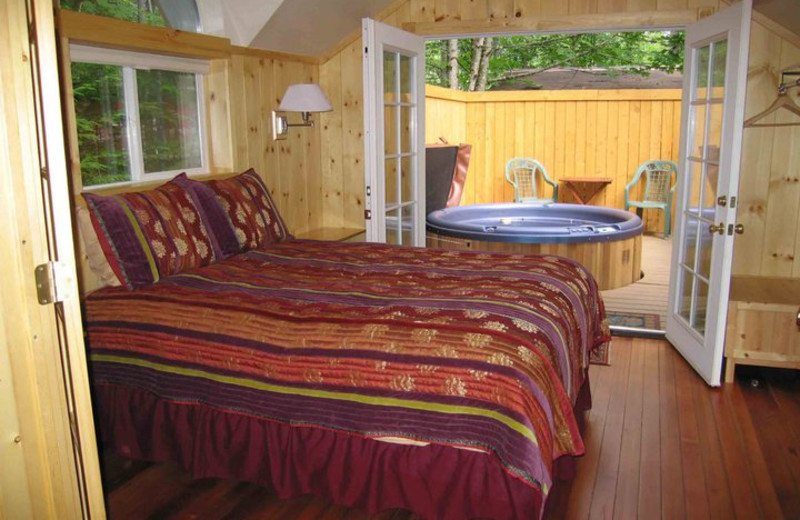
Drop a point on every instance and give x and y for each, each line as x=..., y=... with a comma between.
x=408, y=225
x=390, y=176
x=389, y=77
x=714, y=131
x=406, y=79
x=718, y=72
x=695, y=187
x=701, y=76
x=690, y=240
x=698, y=131
x=407, y=178
x=102, y=130
x=710, y=192
x=704, y=252
x=390, y=130
x=685, y=299
x=393, y=226
x=406, y=134
x=700, y=304
x=169, y=120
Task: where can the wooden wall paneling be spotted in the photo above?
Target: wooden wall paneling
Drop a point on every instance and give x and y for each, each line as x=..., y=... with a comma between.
x=293, y=170
x=611, y=6
x=446, y=10
x=311, y=165
x=353, y=128
x=218, y=116
x=525, y=8
x=757, y=144
x=254, y=90
x=671, y=5
x=582, y=6
x=422, y=10
x=503, y=146
x=474, y=9
x=783, y=203
x=238, y=112
x=333, y=203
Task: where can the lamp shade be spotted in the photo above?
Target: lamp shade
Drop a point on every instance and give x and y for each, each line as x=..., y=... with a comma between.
x=305, y=97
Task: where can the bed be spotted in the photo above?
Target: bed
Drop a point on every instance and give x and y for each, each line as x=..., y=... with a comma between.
x=444, y=382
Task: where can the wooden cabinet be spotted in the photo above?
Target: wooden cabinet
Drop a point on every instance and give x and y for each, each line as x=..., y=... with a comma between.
x=763, y=323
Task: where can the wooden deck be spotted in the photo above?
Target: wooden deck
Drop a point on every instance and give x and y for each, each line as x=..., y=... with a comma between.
x=659, y=444
x=650, y=294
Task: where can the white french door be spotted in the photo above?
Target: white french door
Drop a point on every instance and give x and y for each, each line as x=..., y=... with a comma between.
x=715, y=70
x=394, y=148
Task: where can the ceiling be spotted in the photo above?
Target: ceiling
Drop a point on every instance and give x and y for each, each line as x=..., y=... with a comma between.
x=783, y=12
x=313, y=27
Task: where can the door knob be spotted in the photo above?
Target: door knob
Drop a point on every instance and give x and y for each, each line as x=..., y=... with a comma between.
x=714, y=228
x=722, y=200
x=739, y=229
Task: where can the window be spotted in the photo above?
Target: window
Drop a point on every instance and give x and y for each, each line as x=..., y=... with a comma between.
x=139, y=116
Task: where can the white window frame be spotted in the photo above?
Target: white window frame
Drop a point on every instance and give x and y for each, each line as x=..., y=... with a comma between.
x=130, y=61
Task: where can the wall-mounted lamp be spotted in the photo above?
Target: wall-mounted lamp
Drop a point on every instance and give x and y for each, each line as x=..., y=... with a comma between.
x=305, y=98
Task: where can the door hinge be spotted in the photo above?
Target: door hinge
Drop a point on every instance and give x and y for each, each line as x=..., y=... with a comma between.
x=53, y=282
x=367, y=214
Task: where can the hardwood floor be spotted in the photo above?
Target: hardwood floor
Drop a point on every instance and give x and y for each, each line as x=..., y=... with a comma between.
x=659, y=443
x=650, y=294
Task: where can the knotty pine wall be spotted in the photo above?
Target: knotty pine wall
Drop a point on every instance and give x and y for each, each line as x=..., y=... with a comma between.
x=769, y=184
x=579, y=133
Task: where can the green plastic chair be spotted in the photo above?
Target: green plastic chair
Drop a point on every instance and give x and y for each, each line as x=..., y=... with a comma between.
x=521, y=173
x=658, y=190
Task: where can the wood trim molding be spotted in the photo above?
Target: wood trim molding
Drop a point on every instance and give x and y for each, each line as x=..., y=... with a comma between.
x=274, y=55
x=108, y=32
x=604, y=21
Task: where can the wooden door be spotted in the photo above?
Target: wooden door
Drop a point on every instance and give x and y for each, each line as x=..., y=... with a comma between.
x=49, y=453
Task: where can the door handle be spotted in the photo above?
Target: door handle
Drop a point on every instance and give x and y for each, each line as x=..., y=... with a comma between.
x=714, y=228
x=739, y=229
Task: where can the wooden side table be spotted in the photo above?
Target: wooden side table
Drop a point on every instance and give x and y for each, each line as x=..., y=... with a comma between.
x=585, y=188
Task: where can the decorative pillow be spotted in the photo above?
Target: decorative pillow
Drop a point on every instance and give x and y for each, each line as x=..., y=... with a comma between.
x=215, y=218
x=148, y=235
x=255, y=219
x=95, y=258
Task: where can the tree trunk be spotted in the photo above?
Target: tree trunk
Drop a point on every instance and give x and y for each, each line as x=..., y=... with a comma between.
x=477, y=54
x=452, y=64
x=483, y=69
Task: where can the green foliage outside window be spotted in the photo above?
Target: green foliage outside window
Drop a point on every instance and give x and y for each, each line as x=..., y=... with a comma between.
x=140, y=11
x=481, y=63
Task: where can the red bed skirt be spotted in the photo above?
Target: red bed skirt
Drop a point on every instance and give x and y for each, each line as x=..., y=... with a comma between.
x=434, y=481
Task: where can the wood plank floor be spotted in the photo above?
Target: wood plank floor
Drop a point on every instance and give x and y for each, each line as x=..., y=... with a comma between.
x=650, y=294
x=659, y=444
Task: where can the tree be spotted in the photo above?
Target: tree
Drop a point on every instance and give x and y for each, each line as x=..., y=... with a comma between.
x=482, y=62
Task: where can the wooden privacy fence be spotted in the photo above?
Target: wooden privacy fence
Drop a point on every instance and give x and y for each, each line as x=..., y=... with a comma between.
x=573, y=133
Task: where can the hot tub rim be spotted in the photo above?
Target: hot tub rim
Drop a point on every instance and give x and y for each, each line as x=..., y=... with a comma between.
x=626, y=217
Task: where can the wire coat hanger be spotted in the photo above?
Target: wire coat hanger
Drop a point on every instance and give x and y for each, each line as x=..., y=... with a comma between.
x=783, y=101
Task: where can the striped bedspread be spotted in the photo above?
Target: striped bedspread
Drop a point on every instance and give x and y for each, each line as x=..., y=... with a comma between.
x=473, y=350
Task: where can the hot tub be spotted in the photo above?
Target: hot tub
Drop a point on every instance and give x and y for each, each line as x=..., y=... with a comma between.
x=607, y=241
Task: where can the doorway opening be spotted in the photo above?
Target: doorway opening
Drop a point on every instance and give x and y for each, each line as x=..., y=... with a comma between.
x=586, y=106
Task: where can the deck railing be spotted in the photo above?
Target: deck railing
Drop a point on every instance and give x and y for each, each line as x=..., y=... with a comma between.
x=574, y=133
